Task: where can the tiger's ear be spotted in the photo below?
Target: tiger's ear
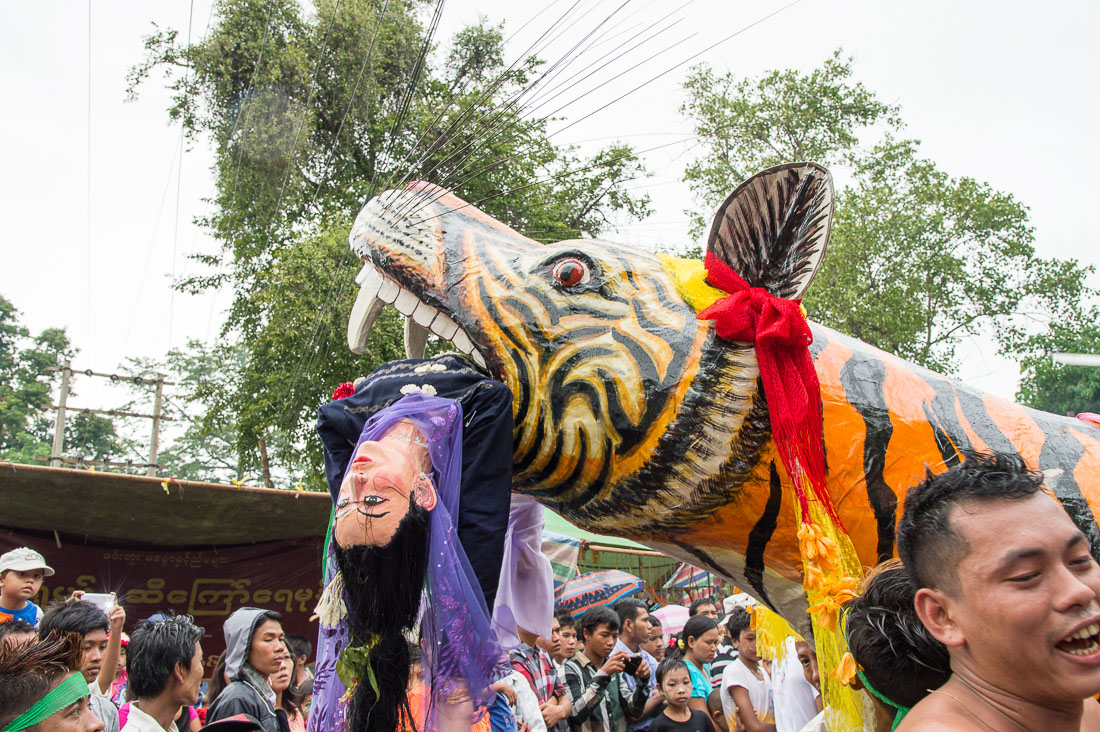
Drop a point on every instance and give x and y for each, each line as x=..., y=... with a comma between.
x=774, y=228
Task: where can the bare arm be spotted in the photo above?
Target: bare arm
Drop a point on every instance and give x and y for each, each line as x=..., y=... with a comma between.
x=745, y=709
x=106, y=675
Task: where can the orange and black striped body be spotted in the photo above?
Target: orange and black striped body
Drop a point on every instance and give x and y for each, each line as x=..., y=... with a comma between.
x=632, y=418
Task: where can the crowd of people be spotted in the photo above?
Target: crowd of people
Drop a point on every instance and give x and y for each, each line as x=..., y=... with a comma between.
x=989, y=621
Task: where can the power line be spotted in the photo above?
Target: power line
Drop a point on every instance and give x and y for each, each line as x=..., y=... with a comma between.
x=179, y=183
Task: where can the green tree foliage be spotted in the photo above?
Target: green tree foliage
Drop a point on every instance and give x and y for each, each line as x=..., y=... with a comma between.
x=310, y=114
x=918, y=259
x=205, y=449
x=747, y=125
x=1063, y=389
x=25, y=385
x=26, y=391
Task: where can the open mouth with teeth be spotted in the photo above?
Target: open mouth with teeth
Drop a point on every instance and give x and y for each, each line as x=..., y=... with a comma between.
x=1084, y=642
x=376, y=290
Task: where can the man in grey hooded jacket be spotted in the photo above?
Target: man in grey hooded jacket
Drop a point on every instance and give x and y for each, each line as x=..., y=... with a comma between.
x=254, y=650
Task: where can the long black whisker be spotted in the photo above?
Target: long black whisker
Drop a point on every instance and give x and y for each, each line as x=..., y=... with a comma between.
x=498, y=163
x=484, y=96
x=505, y=109
x=554, y=177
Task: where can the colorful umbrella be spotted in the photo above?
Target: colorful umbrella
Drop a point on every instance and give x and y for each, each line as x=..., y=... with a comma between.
x=595, y=589
x=688, y=576
x=672, y=618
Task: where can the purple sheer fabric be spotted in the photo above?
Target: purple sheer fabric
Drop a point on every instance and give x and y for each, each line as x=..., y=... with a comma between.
x=525, y=595
x=460, y=654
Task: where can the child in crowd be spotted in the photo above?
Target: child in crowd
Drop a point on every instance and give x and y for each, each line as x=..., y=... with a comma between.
x=14, y=632
x=567, y=628
x=807, y=658
x=676, y=684
x=899, y=659
x=746, y=683
x=714, y=711
x=98, y=654
x=118, y=685
x=697, y=645
x=21, y=573
x=656, y=644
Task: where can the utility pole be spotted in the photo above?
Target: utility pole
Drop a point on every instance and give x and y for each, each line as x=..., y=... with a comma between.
x=154, y=439
x=57, y=459
x=59, y=423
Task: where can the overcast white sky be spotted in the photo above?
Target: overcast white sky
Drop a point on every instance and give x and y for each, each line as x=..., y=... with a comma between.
x=1002, y=91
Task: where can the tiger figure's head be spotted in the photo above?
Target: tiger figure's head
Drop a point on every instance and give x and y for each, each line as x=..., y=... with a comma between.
x=631, y=417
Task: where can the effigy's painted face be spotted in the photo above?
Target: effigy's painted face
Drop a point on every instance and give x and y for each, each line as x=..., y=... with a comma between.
x=386, y=477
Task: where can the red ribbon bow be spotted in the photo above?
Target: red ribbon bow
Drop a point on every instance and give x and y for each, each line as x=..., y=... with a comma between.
x=781, y=335
x=343, y=391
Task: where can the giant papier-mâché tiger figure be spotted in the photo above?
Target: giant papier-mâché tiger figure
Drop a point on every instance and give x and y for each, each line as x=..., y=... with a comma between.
x=633, y=418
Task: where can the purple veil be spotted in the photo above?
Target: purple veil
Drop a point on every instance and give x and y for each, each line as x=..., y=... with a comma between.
x=460, y=652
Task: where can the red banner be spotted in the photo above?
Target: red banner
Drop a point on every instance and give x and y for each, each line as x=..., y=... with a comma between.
x=207, y=583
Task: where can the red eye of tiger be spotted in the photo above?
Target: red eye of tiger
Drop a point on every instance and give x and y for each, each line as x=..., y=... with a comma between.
x=570, y=272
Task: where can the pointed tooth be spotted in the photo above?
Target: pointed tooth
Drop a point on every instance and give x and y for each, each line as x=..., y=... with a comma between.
x=424, y=314
x=368, y=272
x=462, y=342
x=405, y=302
x=444, y=327
x=366, y=309
x=479, y=359
x=416, y=338
x=363, y=314
x=389, y=291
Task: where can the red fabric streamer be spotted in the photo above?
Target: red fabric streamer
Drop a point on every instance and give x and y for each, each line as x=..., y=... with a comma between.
x=343, y=391
x=781, y=335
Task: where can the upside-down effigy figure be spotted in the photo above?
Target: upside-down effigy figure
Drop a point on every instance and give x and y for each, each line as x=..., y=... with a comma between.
x=418, y=464
x=690, y=405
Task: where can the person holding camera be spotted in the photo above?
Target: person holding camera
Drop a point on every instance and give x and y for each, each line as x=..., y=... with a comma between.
x=634, y=631
x=602, y=700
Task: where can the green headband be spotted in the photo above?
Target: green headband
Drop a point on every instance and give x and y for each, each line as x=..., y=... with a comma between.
x=68, y=691
x=902, y=711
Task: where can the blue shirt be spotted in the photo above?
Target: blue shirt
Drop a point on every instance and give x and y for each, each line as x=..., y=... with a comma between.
x=30, y=613
x=700, y=680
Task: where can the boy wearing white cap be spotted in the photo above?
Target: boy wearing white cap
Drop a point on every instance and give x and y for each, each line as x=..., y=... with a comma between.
x=21, y=573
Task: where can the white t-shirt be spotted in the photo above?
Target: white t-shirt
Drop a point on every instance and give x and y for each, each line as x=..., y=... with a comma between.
x=817, y=724
x=760, y=691
x=793, y=698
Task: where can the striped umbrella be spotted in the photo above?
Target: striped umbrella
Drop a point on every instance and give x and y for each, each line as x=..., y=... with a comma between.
x=595, y=589
x=688, y=576
x=672, y=617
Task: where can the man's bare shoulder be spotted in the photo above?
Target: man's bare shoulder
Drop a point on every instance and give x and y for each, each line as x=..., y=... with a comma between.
x=936, y=714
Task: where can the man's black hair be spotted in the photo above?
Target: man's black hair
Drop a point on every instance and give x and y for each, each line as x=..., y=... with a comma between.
x=155, y=649
x=627, y=609
x=80, y=617
x=667, y=665
x=15, y=627
x=739, y=620
x=28, y=671
x=299, y=646
x=565, y=619
x=655, y=622
x=595, y=617
x=898, y=655
x=929, y=545
x=693, y=609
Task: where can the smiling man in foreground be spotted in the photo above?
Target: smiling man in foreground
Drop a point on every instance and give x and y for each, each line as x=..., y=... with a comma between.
x=1007, y=583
